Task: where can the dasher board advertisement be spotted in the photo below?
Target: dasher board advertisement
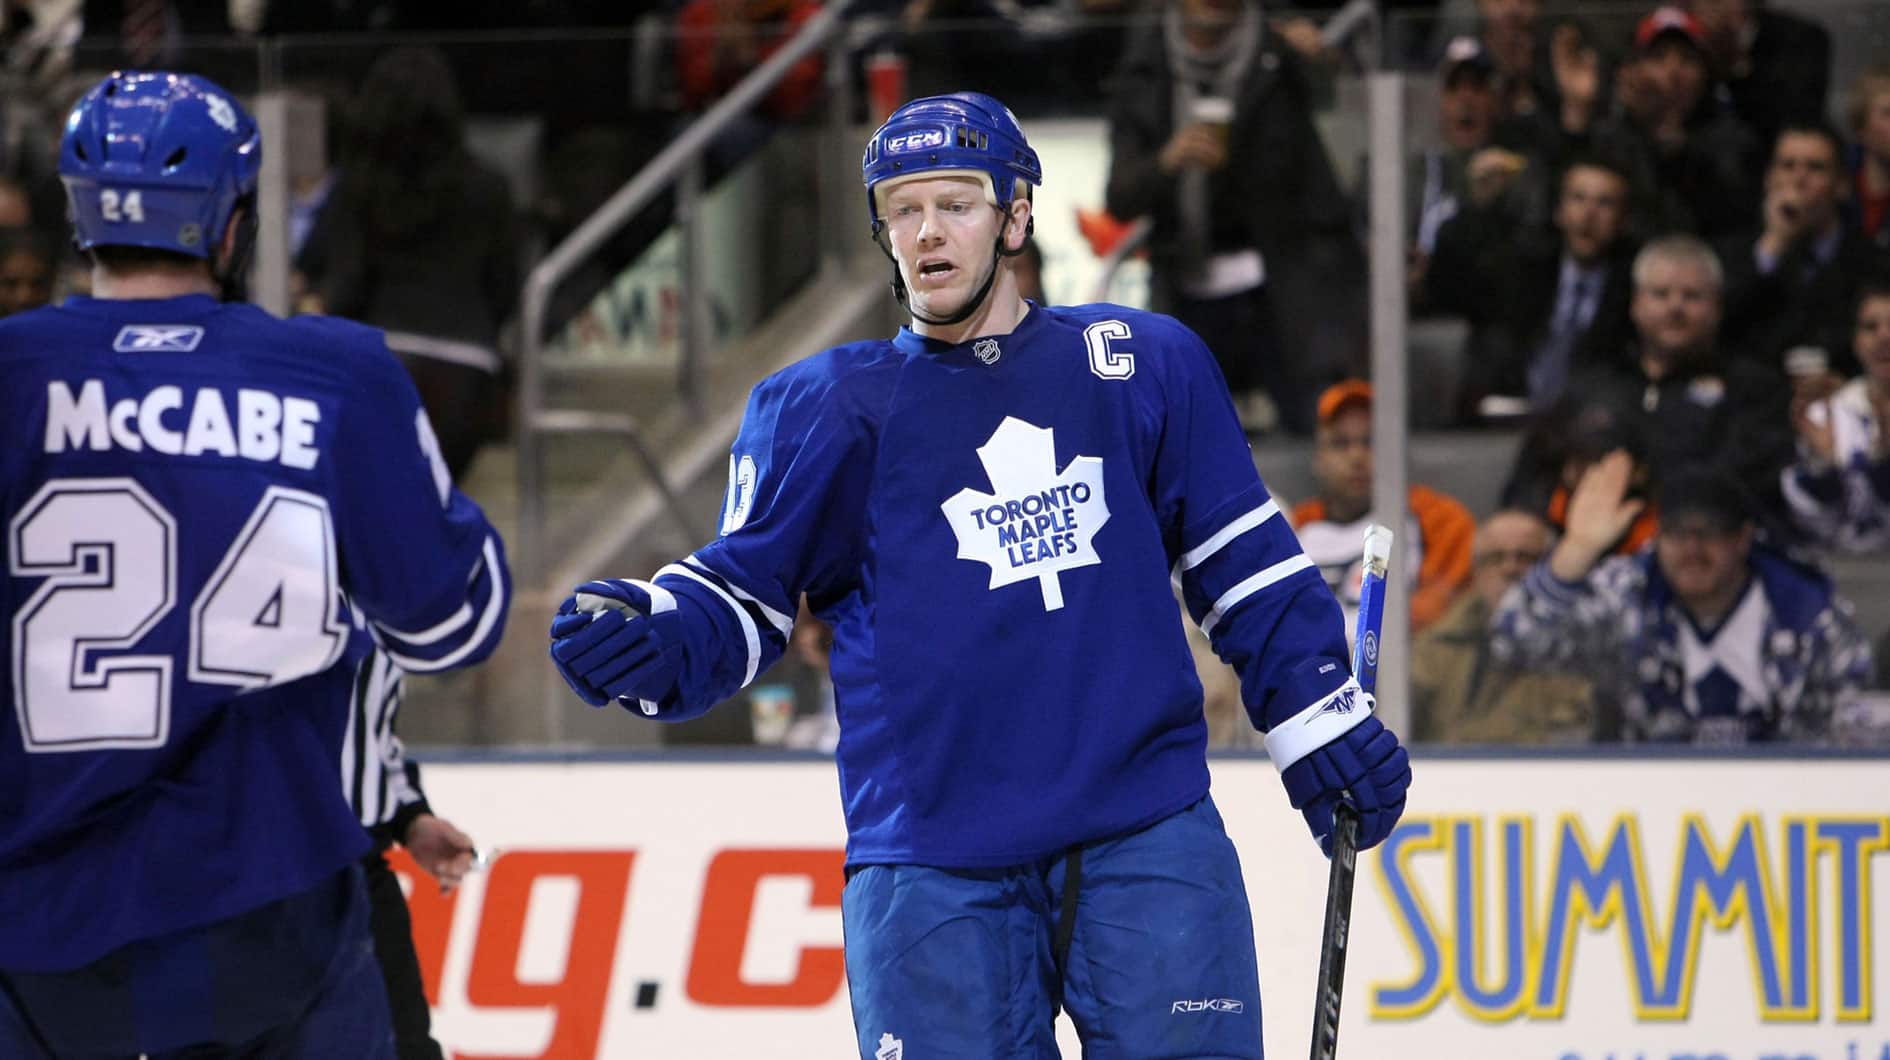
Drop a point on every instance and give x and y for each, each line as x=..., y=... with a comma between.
x=1560, y=908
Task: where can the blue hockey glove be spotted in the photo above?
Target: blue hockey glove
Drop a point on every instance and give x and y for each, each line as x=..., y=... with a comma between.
x=1360, y=761
x=618, y=639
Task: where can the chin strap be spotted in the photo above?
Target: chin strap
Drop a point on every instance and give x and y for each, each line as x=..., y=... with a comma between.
x=884, y=240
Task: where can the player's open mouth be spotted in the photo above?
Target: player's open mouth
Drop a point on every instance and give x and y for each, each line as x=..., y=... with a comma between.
x=936, y=270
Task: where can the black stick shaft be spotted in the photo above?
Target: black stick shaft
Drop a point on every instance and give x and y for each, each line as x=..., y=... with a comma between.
x=1331, y=986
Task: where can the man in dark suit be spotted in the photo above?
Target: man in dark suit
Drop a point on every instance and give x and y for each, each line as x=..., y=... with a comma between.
x=1773, y=67
x=1793, y=281
x=1548, y=306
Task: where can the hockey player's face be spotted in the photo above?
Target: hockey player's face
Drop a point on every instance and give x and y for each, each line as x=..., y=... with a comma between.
x=944, y=234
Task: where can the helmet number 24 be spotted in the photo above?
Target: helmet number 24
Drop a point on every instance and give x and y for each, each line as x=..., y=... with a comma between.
x=114, y=205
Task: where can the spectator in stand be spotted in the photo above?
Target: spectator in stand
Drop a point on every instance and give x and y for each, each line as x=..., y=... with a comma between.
x=1027, y=266
x=1692, y=160
x=1677, y=392
x=1458, y=694
x=27, y=262
x=1444, y=179
x=719, y=42
x=1331, y=525
x=816, y=725
x=420, y=239
x=1511, y=31
x=1794, y=282
x=1211, y=134
x=1839, y=488
x=1773, y=67
x=1708, y=638
x=1541, y=309
x=147, y=33
x=1559, y=447
x=1868, y=208
x=16, y=207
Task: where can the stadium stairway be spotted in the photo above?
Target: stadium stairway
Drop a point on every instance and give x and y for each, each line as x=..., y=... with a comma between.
x=604, y=518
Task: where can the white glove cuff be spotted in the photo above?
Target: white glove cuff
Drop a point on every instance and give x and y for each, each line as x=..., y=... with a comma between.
x=1320, y=724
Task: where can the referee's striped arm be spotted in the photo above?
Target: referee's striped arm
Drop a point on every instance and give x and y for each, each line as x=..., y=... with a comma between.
x=468, y=634
x=375, y=773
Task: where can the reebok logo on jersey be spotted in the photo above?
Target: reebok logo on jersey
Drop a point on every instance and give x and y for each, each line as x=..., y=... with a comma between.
x=1036, y=522
x=1211, y=1004
x=157, y=338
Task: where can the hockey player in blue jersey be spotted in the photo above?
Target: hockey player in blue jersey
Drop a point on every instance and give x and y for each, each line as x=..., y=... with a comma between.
x=211, y=517
x=992, y=510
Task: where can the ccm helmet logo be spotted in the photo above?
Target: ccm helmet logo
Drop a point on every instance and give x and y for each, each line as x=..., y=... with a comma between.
x=918, y=141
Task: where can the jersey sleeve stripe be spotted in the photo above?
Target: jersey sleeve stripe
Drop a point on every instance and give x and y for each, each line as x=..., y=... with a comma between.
x=1195, y=556
x=783, y=623
x=442, y=630
x=1272, y=575
x=489, y=581
x=749, y=630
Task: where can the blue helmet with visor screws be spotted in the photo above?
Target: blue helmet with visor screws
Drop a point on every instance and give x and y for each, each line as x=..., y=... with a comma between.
x=963, y=134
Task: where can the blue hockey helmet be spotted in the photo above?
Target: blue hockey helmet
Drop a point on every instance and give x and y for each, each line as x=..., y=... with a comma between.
x=158, y=160
x=965, y=133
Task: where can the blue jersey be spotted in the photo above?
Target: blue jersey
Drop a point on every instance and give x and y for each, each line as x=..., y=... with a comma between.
x=211, y=517
x=996, y=531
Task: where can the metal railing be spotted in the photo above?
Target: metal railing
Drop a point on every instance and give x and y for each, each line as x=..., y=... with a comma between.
x=678, y=165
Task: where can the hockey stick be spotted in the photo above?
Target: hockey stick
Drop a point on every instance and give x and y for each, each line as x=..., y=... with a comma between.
x=1326, y=996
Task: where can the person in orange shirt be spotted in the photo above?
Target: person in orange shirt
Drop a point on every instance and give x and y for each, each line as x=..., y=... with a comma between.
x=719, y=41
x=1438, y=532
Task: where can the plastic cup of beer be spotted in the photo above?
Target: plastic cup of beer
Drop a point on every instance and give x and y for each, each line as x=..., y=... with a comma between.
x=1215, y=112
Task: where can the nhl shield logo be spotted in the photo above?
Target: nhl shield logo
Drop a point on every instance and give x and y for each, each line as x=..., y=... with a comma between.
x=986, y=350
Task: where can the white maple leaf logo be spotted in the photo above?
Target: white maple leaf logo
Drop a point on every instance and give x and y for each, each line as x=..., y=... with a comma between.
x=1036, y=521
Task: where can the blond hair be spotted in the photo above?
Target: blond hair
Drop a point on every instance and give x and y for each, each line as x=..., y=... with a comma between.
x=1870, y=85
x=1679, y=249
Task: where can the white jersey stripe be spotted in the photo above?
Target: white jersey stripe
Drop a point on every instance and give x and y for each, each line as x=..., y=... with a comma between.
x=1277, y=572
x=488, y=617
x=1195, y=556
x=781, y=622
x=749, y=631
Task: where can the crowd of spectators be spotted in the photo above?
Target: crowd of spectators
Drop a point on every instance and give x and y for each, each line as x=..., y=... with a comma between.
x=1666, y=233
x=1687, y=341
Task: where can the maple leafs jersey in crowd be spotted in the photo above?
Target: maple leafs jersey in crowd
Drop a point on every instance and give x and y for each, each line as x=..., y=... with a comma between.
x=991, y=528
x=211, y=517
